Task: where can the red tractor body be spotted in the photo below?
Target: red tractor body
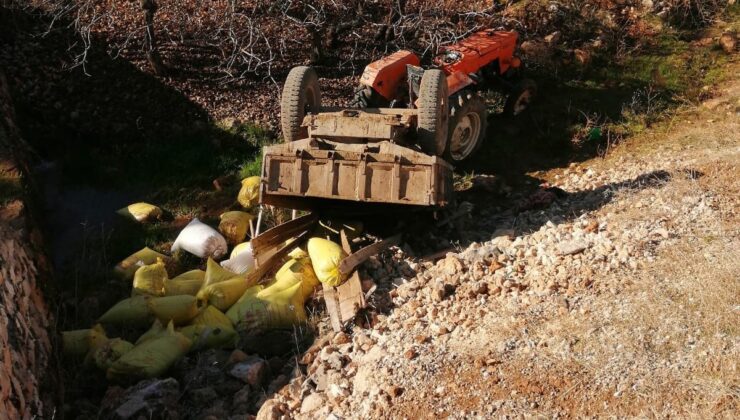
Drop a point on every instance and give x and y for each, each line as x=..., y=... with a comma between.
x=458, y=61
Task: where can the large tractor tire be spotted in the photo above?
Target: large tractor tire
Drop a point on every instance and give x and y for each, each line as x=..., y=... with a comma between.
x=520, y=98
x=433, y=113
x=301, y=96
x=367, y=97
x=468, y=123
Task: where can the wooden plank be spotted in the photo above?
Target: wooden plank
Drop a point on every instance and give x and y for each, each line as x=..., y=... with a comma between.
x=273, y=243
x=260, y=271
x=332, y=307
x=350, y=297
x=279, y=234
x=343, y=301
x=348, y=264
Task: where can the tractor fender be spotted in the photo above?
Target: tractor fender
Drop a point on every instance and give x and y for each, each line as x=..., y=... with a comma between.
x=457, y=81
x=386, y=74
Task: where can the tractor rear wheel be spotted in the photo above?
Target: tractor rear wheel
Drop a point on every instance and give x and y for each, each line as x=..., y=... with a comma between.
x=520, y=98
x=301, y=96
x=433, y=112
x=468, y=123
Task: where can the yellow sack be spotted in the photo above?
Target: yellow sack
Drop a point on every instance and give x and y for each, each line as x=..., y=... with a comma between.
x=216, y=274
x=80, y=342
x=272, y=308
x=298, y=253
x=141, y=212
x=105, y=355
x=237, y=312
x=210, y=329
x=151, y=358
x=185, y=284
x=325, y=258
x=126, y=268
x=250, y=193
x=156, y=329
x=234, y=226
x=296, y=271
x=132, y=311
x=149, y=279
x=224, y=294
x=178, y=309
x=244, y=246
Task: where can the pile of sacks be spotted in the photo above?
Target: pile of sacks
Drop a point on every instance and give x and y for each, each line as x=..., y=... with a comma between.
x=201, y=309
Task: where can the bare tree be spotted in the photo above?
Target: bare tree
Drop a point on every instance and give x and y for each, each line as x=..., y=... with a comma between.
x=150, y=41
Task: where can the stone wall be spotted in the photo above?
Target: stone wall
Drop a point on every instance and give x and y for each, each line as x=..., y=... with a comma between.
x=27, y=376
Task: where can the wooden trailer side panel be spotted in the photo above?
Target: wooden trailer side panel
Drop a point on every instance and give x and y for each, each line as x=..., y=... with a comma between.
x=389, y=174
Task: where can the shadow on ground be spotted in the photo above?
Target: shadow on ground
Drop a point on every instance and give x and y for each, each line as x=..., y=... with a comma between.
x=106, y=135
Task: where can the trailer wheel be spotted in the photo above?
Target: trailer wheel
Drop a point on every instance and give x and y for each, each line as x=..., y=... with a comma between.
x=367, y=97
x=520, y=98
x=301, y=96
x=468, y=123
x=433, y=112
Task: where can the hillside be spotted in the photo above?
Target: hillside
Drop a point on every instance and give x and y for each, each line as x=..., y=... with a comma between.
x=595, y=275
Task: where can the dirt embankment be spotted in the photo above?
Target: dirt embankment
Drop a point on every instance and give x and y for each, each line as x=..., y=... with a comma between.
x=27, y=376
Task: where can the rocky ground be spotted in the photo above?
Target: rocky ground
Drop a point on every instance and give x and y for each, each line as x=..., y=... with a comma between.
x=611, y=290
x=617, y=295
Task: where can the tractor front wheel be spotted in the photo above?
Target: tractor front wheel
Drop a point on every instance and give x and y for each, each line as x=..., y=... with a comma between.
x=433, y=112
x=301, y=96
x=468, y=123
x=520, y=98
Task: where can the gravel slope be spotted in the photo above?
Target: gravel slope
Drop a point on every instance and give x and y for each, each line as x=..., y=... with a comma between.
x=620, y=297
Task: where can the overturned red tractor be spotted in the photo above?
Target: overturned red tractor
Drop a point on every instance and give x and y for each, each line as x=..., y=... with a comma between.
x=405, y=128
x=451, y=112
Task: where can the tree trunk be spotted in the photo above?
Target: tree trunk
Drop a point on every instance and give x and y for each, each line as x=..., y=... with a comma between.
x=150, y=41
x=317, y=48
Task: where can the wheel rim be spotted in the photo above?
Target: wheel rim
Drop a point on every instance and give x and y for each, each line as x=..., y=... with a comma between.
x=465, y=136
x=308, y=107
x=522, y=102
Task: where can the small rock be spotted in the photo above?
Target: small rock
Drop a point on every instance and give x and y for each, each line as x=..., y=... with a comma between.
x=583, y=57
x=573, y=247
x=312, y=403
x=438, y=292
x=452, y=265
x=251, y=371
x=340, y=338
x=394, y=390
x=154, y=398
x=336, y=393
x=553, y=38
x=728, y=42
x=663, y=233
x=410, y=354
x=271, y=410
x=278, y=383
x=237, y=356
x=241, y=396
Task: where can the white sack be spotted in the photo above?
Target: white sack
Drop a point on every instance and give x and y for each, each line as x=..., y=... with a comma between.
x=201, y=240
x=242, y=262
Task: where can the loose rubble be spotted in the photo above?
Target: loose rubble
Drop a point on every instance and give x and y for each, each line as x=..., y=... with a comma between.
x=539, y=261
